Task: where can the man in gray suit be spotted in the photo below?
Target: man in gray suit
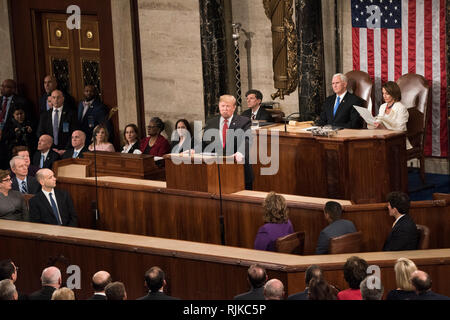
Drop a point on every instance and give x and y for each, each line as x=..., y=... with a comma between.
x=337, y=226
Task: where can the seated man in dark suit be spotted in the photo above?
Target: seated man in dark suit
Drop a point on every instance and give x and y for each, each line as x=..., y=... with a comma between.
x=22, y=181
x=45, y=156
x=155, y=282
x=50, y=280
x=422, y=282
x=50, y=205
x=337, y=110
x=255, y=111
x=230, y=134
x=78, y=146
x=404, y=234
x=313, y=271
x=99, y=282
x=257, y=278
x=337, y=226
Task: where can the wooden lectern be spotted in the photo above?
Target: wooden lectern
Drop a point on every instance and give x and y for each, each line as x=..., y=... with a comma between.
x=198, y=173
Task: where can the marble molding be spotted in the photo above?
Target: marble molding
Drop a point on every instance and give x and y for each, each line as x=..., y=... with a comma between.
x=214, y=62
x=311, y=91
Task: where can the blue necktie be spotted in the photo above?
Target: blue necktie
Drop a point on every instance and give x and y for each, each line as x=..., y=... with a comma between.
x=41, y=163
x=338, y=101
x=75, y=154
x=54, y=208
x=55, y=127
x=23, y=187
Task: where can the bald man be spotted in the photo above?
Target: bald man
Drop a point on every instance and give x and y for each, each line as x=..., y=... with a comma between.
x=51, y=84
x=44, y=157
x=256, y=277
x=99, y=282
x=274, y=290
x=50, y=280
x=59, y=122
x=422, y=282
x=50, y=205
x=78, y=146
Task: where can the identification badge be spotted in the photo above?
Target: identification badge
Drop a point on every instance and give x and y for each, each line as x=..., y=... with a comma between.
x=91, y=121
x=65, y=127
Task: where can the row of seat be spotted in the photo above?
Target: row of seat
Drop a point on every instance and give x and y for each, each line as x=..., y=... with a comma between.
x=294, y=243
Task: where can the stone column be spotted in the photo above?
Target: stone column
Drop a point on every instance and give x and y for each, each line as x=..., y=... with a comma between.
x=311, y=86
x=212, y=30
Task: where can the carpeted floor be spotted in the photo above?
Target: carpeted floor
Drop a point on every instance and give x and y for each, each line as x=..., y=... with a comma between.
x=434, y=183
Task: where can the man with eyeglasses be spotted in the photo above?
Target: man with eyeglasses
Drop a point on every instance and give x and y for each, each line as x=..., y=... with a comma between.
x=8, y=271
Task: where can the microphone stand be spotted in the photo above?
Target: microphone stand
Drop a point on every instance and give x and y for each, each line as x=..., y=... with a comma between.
x=95, y=203
x=221, y=218
x=286, y=119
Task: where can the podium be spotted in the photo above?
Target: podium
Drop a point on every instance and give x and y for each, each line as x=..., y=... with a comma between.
x=201, y=173
x=139, y=166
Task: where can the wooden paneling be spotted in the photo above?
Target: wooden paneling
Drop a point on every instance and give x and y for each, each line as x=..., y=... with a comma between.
x=194, y=270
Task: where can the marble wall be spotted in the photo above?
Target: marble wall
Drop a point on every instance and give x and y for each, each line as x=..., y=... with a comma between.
x=6, y=62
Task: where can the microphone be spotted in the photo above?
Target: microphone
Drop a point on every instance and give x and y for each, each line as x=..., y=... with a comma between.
x=286, y=119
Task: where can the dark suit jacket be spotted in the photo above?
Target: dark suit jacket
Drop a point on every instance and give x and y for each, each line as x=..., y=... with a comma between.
x=346, y=116
x=17, y=101
x=69, y=153
x=157, y=296
x=41, y=210
x=97, y=297
x=253, y=294
x=233, y=144
x=335, y=229
x=403, y=236
x=67, y=124
x=135, y=146
x=33, y=185
x=299, y=296
x=45, y=293
x=262, y=114
x=68, y=101
x=52, y=156
x=96, y=114
x=430, y=295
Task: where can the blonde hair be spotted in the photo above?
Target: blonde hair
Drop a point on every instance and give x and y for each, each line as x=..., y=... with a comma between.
x=63, y=294
x=228, y=98
x=275, y=209
x=403, y=270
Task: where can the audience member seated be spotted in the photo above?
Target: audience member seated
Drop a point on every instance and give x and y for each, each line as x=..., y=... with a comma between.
x=404, y=234
x=50, y=205
x=277, y=223
x=155, y=144
x=19, y=131
x=8, y=270
x=313, y=271
x=8, y=291
x=182, y=137
x=92, y=112
x=23, y=151
x=371, y=291
x=337, y=110
x=355, y=270
x=130, y=135
x=319, y=289
x=115, y=291
x=44, y=157
x=50, y=280
x=100, y=140
x=155, y=280
x=22, y=182
x=63, y=294
x=60, y=122
x=255, y=111
x=422, y=283
x=99, y=282
x=337, y=226
x=12, y=203
x=50, y=85
x=274, y=290
x=256, y=278
x=393, y=115
x=78, y=146
x=405, y=290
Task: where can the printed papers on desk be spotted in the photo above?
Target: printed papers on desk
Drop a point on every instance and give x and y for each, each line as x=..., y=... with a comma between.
x=366, y=115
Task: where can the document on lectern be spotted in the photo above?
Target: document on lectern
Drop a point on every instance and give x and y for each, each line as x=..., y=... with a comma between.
x=366, y=115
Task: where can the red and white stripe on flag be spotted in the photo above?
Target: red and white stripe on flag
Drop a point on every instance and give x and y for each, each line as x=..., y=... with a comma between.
x=416, y=44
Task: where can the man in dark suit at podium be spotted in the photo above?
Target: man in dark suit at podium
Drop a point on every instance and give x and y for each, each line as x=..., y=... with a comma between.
x=229, y=141
x=255, y=111
x=337, y=110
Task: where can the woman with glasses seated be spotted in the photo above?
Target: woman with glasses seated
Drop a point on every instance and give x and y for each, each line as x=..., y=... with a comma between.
x=155, y=144
x=12, y=203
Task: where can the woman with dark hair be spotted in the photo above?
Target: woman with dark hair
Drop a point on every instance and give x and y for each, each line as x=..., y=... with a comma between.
x=12, y=203
x=101, y=135
x=277, y=223
x=393, y=115
x=130, y=135
x=19, y=131
x=319, y=289
x=355, y=271
x=155, y=144
x=182, y=138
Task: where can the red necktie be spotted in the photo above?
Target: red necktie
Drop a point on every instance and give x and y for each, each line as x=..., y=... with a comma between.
x=224, y=132
x=5, y=103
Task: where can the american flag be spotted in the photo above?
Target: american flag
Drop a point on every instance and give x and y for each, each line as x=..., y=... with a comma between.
x=393, y=37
